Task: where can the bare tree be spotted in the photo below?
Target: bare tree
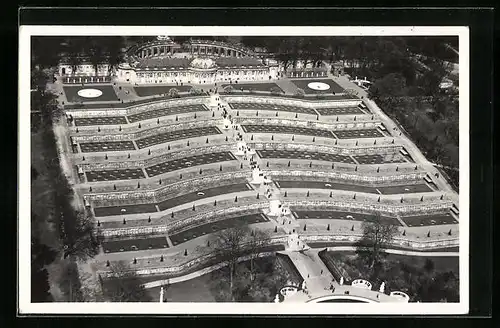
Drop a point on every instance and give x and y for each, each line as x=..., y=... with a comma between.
x=376, y=236
x=81, y=239
x=258, y=239
x=229, y=244
x=123, y=285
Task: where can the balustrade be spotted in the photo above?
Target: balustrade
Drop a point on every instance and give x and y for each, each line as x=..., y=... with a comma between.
x=304, y=124
x=157, y=159
x=136, y=109
x=292, y=102
x=368, y=150
x=372, y=207
x=163, y=193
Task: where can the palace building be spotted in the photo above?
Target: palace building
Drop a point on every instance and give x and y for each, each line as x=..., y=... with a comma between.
x=163, y=61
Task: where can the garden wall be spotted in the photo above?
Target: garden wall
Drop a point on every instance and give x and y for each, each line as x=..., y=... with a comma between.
x=135, y=109
x=380, y=150
x=157, y=159
x=307, y=124
x=292, y=102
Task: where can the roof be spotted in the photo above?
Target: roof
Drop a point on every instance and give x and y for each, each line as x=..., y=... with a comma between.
x=162, y=62
x=238, y=62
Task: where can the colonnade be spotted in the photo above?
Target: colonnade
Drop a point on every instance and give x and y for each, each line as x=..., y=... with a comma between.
x=215, y=50
x=158, y=50
x=195, y=49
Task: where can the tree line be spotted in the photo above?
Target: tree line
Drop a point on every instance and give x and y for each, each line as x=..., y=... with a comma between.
x=74, y=228
x=365, y=53
x=48, y=51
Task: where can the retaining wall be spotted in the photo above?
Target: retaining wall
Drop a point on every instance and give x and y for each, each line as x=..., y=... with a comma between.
x=360, y=150
x=368, y=207
x=96, y=137
x=156, y=159
x=135, y=109
x=323, y=103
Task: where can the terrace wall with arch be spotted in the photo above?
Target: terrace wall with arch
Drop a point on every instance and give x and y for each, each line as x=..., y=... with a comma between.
x=180, y=225
x=307, y=124
x=120, y=136
x=176, y=269
x=291, y=101
x=163, y=193
x=380, y=150
x=172, y=190
x=138, y=126
x=370, y=207
x=337, y=203
x=155, y=160
x=362, y=179
x=136, y=109
x=397, y=241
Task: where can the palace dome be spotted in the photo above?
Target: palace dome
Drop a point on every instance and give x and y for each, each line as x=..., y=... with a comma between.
x=163, y=38
x=202, y=63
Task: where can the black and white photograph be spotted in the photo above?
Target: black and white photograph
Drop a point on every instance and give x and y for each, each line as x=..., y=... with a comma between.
x=266, y=170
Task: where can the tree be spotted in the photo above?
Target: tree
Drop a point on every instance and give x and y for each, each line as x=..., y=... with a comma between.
x=123, y=285
x=429, y=265
x=376, y=236
x=94, y=49
x=81, y=239
x=39, y=80
x=390, y=85
x=194, y=91
x=70, y=282
x=257, y=240
x=228, y=244
x=351, y=92
x=34, y=173
x=41, y=255
x=40, y=288
x=300, y=92
x=75, y=47
x=173, y=93
x=114, y=46
x=45, y=51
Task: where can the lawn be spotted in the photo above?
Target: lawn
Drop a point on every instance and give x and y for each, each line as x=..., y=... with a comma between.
x=194, y=290
x=270, y=276
x=201, y=230
x=134, y=244
x=425, y=279
x=108, y=93
x=158, y=90
x=441, y=263
x=303, y=84
x=267, y=87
